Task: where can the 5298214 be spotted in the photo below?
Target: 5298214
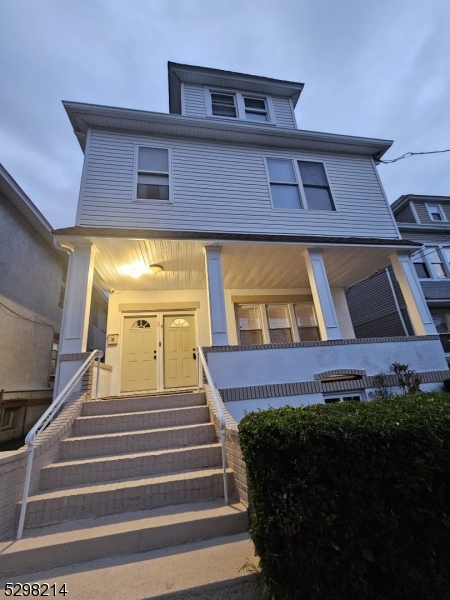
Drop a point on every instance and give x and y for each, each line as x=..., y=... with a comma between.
x=35, y=589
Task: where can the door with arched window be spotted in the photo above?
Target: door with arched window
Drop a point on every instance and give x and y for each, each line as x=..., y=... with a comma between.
x=139, y=356
x=180, y=356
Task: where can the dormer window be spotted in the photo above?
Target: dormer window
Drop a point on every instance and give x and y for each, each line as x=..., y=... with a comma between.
x=436, y=213
x=255, y=109
x=235, y=105
x=223, y=105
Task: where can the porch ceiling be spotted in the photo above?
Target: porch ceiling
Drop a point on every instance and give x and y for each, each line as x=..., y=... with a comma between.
x=245, y=265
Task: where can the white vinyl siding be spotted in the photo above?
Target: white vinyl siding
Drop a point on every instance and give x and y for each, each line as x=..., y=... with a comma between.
x=224, y=187
x=194, y=100
x=283, y=112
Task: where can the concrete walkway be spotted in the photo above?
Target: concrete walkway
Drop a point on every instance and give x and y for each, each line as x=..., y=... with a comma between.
x=201, y=570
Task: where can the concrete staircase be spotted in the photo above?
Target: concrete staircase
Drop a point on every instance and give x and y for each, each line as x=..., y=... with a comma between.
x=137, y=474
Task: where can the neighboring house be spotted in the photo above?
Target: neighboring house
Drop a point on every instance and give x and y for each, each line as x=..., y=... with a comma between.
x=32, y=280
x=423, y=219
x=223, y=225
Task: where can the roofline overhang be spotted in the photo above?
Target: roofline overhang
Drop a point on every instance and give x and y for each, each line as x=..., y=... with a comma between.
x=15, y=195
x=182, y=73
x=92, y=116
x=403, y=200
x=205, y=236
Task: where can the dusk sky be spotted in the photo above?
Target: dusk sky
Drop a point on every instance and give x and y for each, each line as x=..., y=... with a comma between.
x=376, y=69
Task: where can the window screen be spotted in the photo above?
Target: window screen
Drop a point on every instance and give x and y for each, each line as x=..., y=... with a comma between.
x=306, y=323
x=279, y=325
x=153, y=174
x=223, y=105
x=283, y=183
x=315, y=185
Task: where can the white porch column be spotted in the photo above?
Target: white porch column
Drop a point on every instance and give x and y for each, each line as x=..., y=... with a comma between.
x=77, y=304
x=216, y=298
x=323, y=301
x=412, y=292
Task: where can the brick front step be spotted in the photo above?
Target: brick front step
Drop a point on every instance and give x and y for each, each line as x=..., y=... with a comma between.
x=141, y=464
x=136, y=441
x=93, y=539
x=156, y=419
x=121, y=405
x=125, y=496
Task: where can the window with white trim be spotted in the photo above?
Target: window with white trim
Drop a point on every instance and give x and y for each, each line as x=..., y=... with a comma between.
x=276, y=323
x=342, y=398
x=432, y=262
x=235, y=105
x=297, y=184
x=436, y=212
x=153, y=173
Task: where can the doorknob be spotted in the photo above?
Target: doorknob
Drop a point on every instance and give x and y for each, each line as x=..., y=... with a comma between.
x=194, y=356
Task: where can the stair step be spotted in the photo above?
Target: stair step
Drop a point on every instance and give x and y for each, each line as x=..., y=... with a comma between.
x=129, y=495
x=201, y=570
x=173, y=417
x=136, y=441
x=140, y=464
x=93, y=539
x=141, y=403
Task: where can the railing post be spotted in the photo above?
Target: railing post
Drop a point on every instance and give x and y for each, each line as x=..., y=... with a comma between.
x=224, y=466
x=26, y=488
x=98, y=376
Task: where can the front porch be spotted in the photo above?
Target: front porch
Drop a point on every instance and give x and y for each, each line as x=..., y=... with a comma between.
x=283, y=296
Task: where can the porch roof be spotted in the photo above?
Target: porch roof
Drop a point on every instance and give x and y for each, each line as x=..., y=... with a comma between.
x=205, y=236
x=249, y=262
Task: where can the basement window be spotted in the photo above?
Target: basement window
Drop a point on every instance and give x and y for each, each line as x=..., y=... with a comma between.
x=342, y=398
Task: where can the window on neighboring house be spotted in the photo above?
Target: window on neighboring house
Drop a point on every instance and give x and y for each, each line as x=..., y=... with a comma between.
x=283, y=183
x=223, y=105
x=315, y=185
x=299, y=184
x=7, y=418
x=429, y=263
x=436, y=213
x=276, y=323
x=249, y=325
x=153, y=174
x=54, y=354
x=435, y=261
x=255, y=109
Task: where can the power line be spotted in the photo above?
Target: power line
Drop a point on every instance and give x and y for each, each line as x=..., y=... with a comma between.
x=408, y=154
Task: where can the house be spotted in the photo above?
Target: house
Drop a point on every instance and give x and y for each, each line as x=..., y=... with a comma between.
x=32, y=283
x=218, y=230
x=224, y=225
x=422, y=219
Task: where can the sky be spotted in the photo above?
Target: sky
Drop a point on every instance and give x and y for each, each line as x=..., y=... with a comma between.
x=376, y=69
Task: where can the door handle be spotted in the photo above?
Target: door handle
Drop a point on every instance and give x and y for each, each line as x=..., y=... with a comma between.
x=194, y=356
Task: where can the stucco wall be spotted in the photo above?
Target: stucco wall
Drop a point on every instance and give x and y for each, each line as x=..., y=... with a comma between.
x=30, y=284
x=288, y=365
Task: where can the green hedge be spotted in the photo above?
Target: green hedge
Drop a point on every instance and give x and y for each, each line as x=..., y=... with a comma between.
x=352, y=500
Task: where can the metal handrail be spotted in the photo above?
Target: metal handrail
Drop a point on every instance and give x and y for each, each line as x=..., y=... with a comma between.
x=222, y=421
x=46, y=419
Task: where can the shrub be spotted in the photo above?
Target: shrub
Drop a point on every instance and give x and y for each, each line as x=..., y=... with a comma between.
x=352, y=500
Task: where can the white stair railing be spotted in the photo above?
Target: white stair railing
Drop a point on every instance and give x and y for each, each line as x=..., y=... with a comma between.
x=46, y=419
x=202, y=365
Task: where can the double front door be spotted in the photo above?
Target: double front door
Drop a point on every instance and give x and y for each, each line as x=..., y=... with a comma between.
x=158, y=352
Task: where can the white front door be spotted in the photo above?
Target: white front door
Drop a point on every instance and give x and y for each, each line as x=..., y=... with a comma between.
x=180, y=356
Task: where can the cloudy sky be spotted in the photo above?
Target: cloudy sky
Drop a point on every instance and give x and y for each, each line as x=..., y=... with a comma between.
x=378, y=69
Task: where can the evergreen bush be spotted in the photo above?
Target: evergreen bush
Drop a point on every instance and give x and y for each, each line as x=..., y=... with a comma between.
x=351, y=501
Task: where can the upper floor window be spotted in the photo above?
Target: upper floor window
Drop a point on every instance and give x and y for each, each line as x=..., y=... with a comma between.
x=153, y=174
x=299, y=184
x=436, y=212
x=432, y=262
x=235, y=105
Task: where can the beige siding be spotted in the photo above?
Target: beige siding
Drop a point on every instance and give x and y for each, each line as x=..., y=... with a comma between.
x=221, y=187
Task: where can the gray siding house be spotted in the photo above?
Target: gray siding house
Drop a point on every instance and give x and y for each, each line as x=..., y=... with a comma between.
x=377, y=305
x=226, y=219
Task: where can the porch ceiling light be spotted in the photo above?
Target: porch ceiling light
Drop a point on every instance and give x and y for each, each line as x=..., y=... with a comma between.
x=155, y=269
x=135, y=270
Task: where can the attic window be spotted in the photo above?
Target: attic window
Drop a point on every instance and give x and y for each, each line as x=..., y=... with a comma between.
x=255, y=109
x=436, y=213
x=223, y=105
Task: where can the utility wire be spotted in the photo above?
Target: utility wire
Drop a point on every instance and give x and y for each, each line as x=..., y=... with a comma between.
x=408, y=154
